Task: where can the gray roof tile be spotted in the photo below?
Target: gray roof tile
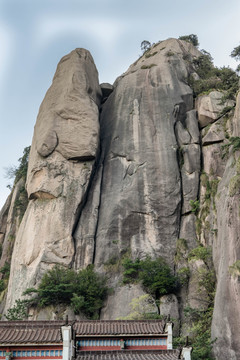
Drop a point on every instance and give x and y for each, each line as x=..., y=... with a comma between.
x=130, y=355
x=26, y=332
x=119, y=327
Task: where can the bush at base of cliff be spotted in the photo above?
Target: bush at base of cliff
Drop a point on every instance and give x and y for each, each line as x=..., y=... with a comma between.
x=19, y=311
x=155, y=275
x=84, y=291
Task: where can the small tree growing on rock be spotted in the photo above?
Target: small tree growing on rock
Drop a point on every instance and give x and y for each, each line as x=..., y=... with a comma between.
x=145, y=45
x=192, y=38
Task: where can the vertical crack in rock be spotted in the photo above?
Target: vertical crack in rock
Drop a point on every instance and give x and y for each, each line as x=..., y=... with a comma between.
x=86, y=226
x=79, y=212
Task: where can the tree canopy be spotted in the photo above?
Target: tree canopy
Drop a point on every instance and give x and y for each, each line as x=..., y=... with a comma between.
x=155, y=275
x=192, y=38
x=84, y=291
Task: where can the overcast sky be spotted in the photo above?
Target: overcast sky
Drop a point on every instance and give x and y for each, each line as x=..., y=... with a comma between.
x=35, y=34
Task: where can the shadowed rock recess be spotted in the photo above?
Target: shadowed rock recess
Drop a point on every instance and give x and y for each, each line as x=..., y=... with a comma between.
x=116, y=171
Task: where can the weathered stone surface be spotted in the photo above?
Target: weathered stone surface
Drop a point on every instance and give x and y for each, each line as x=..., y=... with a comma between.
x=67, y=124
x=188, y=230
x=140, y=200
x=187, y=131
x=54, y=313
x=45, y=234
x=220, y=230
x=213, y=163
x=188, y=138
x=209, y=107
x=169, y=306
x=10, y=223
x=107, y=89
x=197, y=295
x=236, y=118
x=226, y=251
x=114, y=309
x=64, y=146
x=70, y=103
x=3, y=218
x=91, y=204
x=215, y=133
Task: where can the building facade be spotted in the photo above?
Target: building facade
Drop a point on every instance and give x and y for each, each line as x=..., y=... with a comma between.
x=89, y=340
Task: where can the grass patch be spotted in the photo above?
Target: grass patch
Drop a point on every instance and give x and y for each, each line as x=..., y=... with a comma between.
x=144, y=67
x=150, y=54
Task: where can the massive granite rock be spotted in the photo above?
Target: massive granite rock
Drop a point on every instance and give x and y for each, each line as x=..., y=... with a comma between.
x=136, y=197
x=127, y=187
x=226, y=252
x=220, y=225
x=148, y=169
x=63, y=152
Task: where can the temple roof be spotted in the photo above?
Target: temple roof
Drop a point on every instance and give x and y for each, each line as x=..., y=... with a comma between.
x=49, y=332
x=119, y=327
x=130, y=355
x=30, y=332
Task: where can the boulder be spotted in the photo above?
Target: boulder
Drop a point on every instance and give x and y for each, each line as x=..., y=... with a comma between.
x=64, y=146
x=209, y=107
x=215, y=133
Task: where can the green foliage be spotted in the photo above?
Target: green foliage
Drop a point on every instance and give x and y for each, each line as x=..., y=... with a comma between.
x=236, y=53
x=204, y=64
x=200, y=338
x=200, y=320
x=192, y=38
x=21, y=171
x=155, y=275
x=201, y=253
x=2, y=285
x=234, y=142
x=114, y=263
x=181, y=249
x=234, y=185
x=184, y=275
x=84, y=291
x=157, y=278
x=56, y=286
x=5, y=270
x=18, y=311
x=234, y=269
x=144, y=67
x=211, y=187
x=145, y=45
x=21, y=202
x=148, y=55
x=92, y=288
x=169, y=53
x=194, y=206
x=131, y=270
x=213, y=78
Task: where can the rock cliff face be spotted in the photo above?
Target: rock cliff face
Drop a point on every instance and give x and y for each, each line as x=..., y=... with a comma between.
x=65, y=144
x=118, y=170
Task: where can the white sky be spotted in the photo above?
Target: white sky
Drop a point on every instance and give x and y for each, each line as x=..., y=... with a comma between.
x=35, y=34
